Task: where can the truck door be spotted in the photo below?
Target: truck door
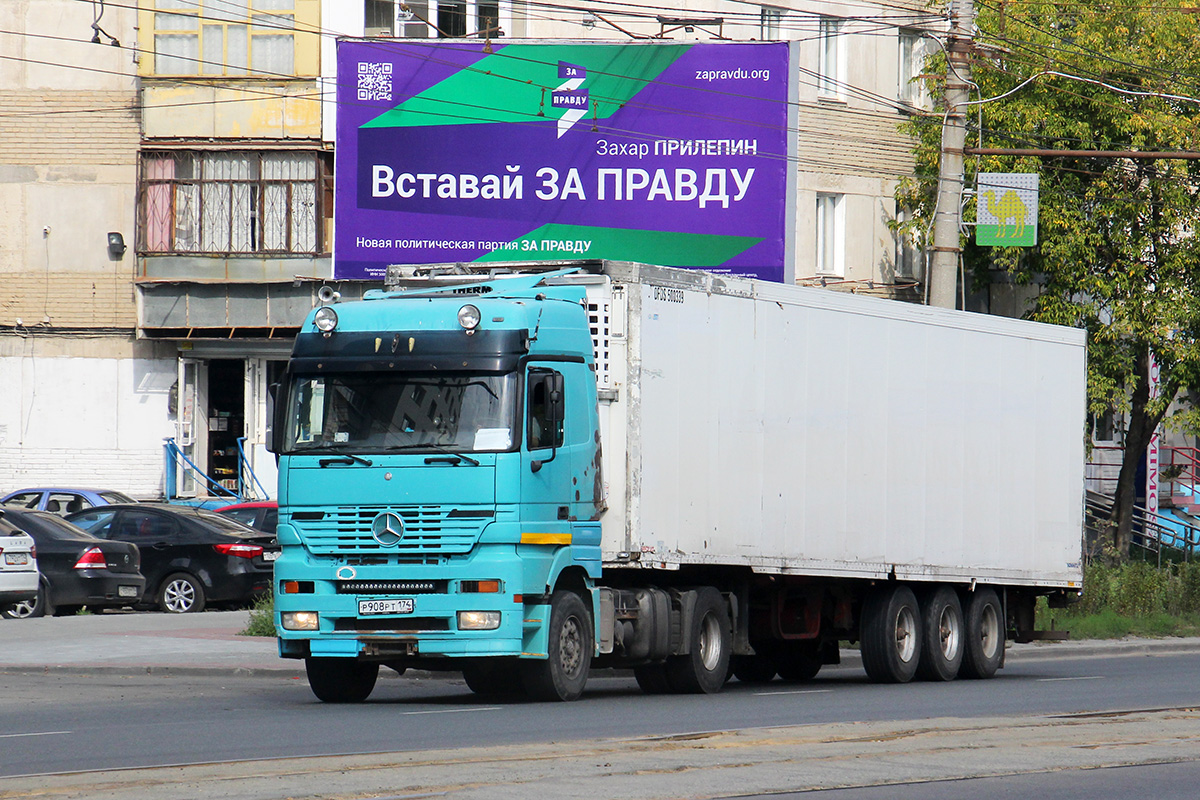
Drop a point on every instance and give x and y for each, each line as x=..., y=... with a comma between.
x=545, y=461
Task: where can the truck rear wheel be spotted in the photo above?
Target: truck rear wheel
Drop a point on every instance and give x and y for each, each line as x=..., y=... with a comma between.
x=757, y=668
x=799, y=663
x=891, y=635
x=705, y=668
x=564, y=672
x=942, y=650
x=983, y=624
x=341, y=680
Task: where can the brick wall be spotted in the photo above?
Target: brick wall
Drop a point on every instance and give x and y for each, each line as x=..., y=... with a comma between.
x=137, y=473
x=68, y=176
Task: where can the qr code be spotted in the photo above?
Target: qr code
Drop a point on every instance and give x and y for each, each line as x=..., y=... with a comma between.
x=374, y=81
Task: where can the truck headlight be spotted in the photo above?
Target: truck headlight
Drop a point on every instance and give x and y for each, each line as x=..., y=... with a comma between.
x=478, y=620
x=325, y=319
x=299, y=620
x=468, y=317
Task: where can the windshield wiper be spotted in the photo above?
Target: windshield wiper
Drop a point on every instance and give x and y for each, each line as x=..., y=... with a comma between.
x=345, y=458
x=437, y=448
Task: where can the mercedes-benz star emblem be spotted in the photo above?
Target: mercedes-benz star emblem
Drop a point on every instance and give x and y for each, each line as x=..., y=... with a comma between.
x=388, y=529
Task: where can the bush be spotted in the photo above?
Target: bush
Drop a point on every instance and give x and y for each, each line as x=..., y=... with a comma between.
x=262, y=617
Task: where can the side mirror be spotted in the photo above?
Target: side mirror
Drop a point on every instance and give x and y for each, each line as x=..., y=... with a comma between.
x=552, y=385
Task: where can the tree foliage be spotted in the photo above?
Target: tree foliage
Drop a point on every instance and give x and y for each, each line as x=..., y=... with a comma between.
x=1116, y=252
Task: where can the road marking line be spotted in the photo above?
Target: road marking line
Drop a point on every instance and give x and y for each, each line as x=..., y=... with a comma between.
x=1086, y=678
x=451, y=710
x=797, y=691
x=44, y=733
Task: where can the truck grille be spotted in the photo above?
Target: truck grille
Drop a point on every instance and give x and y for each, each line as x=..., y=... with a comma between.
x=436, y=530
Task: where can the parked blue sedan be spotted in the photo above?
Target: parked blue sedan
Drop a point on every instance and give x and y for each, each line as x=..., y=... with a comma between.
x=63, y=501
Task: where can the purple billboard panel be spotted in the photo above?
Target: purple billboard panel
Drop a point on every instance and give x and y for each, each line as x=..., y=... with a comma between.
x=671, y=154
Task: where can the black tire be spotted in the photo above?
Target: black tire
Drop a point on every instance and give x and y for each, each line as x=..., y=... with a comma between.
x=564, y=672
x=942, y=623
x=652, y=678
x=341, y=680
x=180, y=593
x=983, y=626
x=757, y=668
x=494, y=677
x=800, y=663
x=66, y=611
x=30, y=608
x=703, y=670
x=891, y=635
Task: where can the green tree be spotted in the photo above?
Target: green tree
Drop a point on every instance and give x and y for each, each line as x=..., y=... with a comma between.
x=1116, y=252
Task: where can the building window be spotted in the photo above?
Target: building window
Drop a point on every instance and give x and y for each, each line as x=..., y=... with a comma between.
x=831, y=234
x=910, y=260
x=831, y=58
x=233, y=202
x=404, y=20
x=914, y=49
x=422, y=19
x=219, y=37
x=768, y=23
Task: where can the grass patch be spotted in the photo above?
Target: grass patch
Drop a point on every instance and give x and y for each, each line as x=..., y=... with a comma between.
x=262, y=617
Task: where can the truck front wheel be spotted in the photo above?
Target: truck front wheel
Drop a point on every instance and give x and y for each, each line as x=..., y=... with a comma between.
x=705, y=668
x=891, y=635
x=341, y=680
x=564, y=672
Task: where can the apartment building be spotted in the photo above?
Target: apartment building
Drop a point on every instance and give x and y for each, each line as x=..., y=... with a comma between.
x=172, y=196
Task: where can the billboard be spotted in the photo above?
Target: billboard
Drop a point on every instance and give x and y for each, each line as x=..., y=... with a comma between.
x=671, y=154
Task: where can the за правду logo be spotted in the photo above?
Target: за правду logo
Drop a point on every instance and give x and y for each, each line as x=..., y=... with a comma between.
x=569, y=96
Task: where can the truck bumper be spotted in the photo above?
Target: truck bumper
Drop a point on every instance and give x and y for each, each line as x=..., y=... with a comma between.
x=341, y=597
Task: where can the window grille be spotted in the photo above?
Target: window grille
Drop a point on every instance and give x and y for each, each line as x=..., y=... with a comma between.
x=232, y=202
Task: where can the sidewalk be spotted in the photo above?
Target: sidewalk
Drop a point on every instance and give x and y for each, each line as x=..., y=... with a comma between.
x=211, y=642
x=141, y=642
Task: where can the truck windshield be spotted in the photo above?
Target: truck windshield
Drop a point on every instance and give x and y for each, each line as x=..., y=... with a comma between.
x=377, y=412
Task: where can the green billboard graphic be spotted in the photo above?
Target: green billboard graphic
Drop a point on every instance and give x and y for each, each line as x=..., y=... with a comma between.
x=1007, y=214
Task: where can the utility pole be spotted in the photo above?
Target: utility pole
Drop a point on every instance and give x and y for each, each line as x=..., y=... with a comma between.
x=943, y=268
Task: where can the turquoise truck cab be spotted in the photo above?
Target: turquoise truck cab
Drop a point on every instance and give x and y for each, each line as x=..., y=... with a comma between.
x=440, y=488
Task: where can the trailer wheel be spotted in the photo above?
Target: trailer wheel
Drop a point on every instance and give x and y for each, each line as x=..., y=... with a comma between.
x=891, y=635
x=564, y=672
x=705, y=668
x=753, y=669
x=341, y=680
x=652, y=678
x=984, y=628
x=942, y=650
x=800, y=663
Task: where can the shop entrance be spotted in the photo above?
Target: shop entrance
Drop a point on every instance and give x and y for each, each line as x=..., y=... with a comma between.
x=223, y=403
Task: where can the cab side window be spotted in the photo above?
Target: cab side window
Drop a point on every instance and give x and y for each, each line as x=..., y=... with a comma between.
x=545, y=390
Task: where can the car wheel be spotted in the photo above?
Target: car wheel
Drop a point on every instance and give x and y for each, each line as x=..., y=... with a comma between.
x=28, y=608
x=181, y=594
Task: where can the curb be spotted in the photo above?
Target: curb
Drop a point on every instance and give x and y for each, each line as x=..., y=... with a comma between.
x=1127, y=648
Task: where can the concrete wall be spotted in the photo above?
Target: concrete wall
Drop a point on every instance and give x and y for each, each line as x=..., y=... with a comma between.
x=84, y=412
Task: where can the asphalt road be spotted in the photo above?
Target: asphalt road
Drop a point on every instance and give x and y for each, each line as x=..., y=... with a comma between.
x=264, y=736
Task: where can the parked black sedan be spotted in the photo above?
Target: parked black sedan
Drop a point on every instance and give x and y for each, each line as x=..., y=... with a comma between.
x=191, y=557
x=77, y=568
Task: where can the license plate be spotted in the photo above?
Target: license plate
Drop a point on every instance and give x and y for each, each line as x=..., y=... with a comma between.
x=127, y=591
x=402, y=606
x=16, y=559
x=270, y=555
